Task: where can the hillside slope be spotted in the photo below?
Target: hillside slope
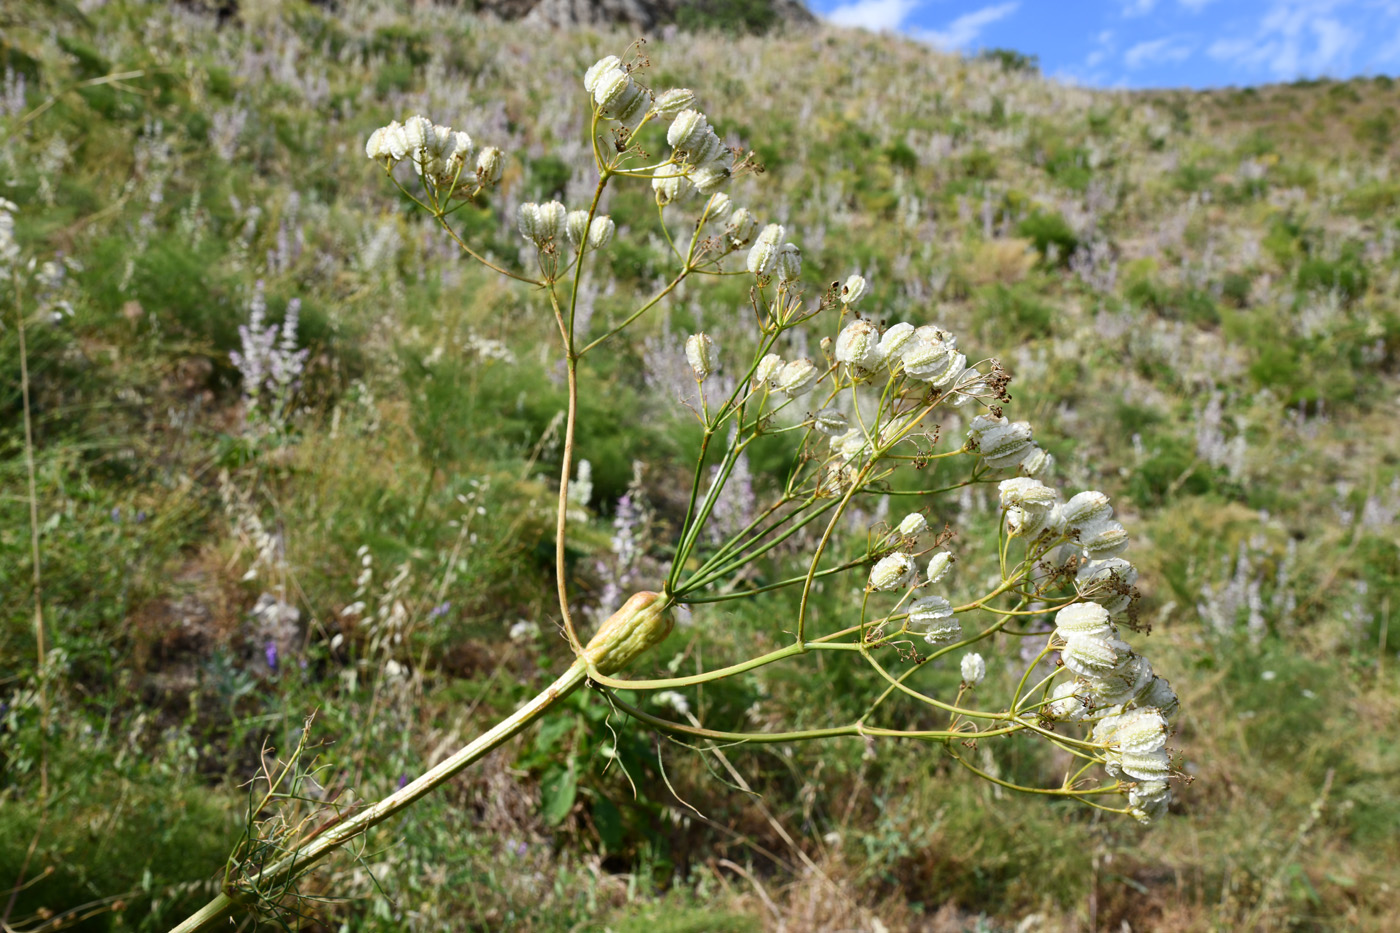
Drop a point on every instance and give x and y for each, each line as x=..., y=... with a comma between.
x=1198, y=297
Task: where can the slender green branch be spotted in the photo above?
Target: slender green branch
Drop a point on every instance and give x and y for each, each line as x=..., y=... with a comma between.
x=638, y=313
x=703, y=578
x=670, y=683
x=462, y=245
x=1016, y=697
x=768, y=587
x=933, y=656
x=582, y=250
x=747, y=532
x=923, y=493
x=909, y=691
x=565, y=471
x=681, y=555
x=690, y=533
x=817, y=555
x=1048, y=791
x=666, y=725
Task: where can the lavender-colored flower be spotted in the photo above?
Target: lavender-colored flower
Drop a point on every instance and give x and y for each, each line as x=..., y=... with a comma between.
x=12, y=96
x=624, y=542
x=269, y=362
x=270, y=653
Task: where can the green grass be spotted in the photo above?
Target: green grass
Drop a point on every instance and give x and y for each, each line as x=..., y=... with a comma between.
x=409, y=499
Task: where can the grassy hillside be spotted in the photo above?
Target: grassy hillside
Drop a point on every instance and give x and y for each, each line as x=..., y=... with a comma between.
x=1198, y=296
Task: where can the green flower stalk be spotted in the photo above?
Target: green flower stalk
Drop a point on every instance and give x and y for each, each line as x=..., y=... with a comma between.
x=864, y=421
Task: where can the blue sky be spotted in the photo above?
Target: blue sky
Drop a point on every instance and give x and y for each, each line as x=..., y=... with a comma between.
x=1154, y=43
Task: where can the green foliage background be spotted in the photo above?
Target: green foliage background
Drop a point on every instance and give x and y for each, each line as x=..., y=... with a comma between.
x=1198, y=293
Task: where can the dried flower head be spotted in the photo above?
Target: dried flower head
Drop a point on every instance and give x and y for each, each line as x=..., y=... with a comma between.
x=1030, y=495
x=933, y=618
x=892, y=572
x=672, y=102
x=768, y=368
x=741, y=227
x=1081, y=619
x=600, y=231
x=974, y=668
x=1103, y=541
x=541, y=223
x=1086, y=508
x=853, y=444
x=490, y=163
x=789, y=263
x=854, y=290
x=831, y=422
x=798, y=377
x=858, y=346
x=939, y=565
x=1002, y=444
x=1093, y=656
x=699, y=352
x=605, y=64
x=763, y=255
x=913, y=524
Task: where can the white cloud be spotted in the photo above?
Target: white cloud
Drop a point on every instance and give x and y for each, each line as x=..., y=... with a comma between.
x=1225, y=50
x=1157, y=52
x=879, y=15
x=1334, y=42
x=1102, y=52
x=1294, y=38
x=964, y=30
x=1132, y=8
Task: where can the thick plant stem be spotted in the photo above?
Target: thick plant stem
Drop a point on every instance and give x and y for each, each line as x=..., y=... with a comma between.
x=223, y=908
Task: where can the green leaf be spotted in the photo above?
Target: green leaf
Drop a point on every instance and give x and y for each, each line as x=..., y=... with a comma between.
x=552, y=729
x=557, y=795
x=608, y=820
